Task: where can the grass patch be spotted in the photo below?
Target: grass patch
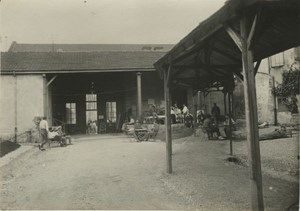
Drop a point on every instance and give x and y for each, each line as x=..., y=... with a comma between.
x=7, y=147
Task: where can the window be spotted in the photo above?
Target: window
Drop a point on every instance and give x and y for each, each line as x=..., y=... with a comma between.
x=91, y=107
x=71, y=113
x=91, y=102
x=111, y=111
x=277, y=60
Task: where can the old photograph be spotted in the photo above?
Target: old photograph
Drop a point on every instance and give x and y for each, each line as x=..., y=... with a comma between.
x=149, y=105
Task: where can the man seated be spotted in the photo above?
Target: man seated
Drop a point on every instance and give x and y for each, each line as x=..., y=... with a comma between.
x=154, y=130
x=128, y=127
x=210, y=127
x=138, y=125
x=56, y=134
x=200, y=116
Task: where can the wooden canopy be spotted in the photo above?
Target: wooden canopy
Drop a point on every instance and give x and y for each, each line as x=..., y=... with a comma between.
x=225, y=45
x=209, y=54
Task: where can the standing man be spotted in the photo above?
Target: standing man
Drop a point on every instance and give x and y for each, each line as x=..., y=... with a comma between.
x=44, y=129
x=185, y=111
x=215, y=112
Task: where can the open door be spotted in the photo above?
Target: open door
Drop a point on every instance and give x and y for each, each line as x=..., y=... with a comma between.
x=91, y=114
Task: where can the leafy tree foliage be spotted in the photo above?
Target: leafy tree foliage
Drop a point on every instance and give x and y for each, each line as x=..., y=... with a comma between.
x=289, y=87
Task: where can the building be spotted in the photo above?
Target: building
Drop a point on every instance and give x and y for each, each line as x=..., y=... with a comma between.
x=271, y=108
x=74, y=84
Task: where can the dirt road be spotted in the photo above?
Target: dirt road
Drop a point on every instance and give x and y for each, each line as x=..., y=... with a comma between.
x=113, y=172
x=103, y=172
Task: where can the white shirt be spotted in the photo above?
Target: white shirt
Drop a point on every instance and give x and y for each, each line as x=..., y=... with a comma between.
x=185, y=110
x=44, y=125
x=131, y=121
x=52, y=134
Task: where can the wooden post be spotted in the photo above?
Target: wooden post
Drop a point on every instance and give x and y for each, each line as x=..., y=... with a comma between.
x=168, y=120
x=230, y=123
x=139, y=95
x=225, y=103
x=195, y=125
x=275, y=103
x=251, y=120
x=16, y=106
x=45, y=95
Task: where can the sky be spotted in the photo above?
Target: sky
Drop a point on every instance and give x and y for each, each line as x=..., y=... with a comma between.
x=101, y=21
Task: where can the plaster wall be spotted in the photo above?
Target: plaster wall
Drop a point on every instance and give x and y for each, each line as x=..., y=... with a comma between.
x=29, y=96
x=265, y=98
x=7, y=111
x=215, y=97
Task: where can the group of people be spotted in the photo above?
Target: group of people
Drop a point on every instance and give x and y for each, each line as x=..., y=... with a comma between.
x=210, y=123
x=181, y=116
x=92, y=127
x=47, y=134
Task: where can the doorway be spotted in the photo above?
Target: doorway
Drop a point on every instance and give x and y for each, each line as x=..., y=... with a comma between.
x=91, y=113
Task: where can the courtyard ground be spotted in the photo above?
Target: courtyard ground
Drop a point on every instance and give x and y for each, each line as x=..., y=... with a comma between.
x=114, y=172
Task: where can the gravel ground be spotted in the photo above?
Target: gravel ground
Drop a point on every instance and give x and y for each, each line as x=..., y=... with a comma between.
x=113, y=172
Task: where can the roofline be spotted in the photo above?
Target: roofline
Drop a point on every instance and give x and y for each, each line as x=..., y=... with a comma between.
x=27, y=72
x=232, y=5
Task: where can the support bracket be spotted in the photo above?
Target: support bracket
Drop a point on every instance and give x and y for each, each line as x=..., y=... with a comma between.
x=234, y=36
x=51, y=80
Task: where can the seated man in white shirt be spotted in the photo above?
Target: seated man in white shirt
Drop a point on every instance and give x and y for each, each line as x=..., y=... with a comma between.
x=57, y=135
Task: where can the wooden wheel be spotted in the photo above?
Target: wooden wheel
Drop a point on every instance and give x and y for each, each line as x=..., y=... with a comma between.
x=141, y=135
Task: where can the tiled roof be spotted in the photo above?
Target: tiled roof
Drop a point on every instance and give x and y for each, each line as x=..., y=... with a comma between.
x=77, y=61
x=21, y=47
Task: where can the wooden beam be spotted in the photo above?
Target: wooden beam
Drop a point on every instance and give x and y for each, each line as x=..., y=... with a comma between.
x=169, y=71
x=234, y=36
x=227, y=55
x=250, y=36
x=257, y=202
x=51, y=80
x=168, y=121
x=205, y=66
x=207, y=53
x=239, y=75
x=256, y=66
x=263, y=24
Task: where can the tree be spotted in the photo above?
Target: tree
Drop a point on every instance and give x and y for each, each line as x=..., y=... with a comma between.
x=289, y=87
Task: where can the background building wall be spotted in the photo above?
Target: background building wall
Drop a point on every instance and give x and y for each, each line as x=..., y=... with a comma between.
x=215, y=97
x=269, y=75
x=152, y=93
x=265, y=98
x=29, y=102
x=7, y=111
